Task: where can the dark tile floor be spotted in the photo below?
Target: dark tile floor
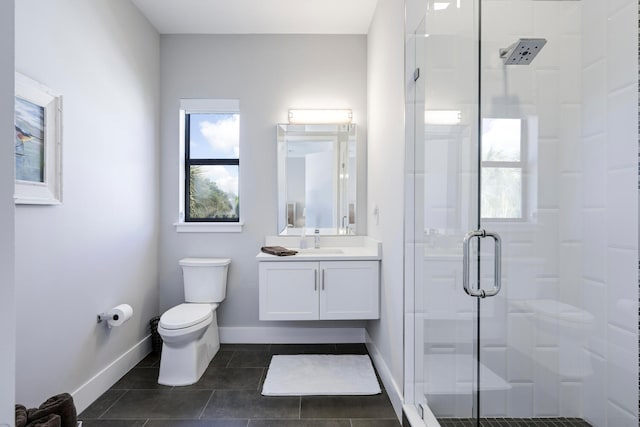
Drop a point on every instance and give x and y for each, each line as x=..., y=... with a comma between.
x=516, y=422
x=228, y=395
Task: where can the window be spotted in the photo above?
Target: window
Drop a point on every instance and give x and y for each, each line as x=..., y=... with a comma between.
x=502, y=169
x=211, y=143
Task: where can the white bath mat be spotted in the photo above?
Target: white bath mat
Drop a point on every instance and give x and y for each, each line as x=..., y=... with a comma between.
x=320, y=374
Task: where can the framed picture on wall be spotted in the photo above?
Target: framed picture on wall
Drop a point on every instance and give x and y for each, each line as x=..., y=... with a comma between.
x=38, y=143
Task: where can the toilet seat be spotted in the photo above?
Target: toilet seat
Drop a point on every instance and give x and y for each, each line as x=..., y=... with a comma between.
x=186, y=315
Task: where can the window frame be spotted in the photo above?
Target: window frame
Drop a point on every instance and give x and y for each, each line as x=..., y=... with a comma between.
x=520, y=164
x=185, y=222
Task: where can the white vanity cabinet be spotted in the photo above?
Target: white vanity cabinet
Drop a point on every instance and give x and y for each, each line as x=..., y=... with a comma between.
x=319, y=290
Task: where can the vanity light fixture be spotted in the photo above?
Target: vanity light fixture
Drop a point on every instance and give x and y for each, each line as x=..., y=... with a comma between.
x=320, y=116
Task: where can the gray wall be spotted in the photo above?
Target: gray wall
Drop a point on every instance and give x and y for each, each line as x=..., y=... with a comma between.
x=99, y=248
x=7, y=217
x=269, y=75
x=385, y=179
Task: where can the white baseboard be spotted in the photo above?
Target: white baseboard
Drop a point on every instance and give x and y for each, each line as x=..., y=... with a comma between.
x=394, y=392
x=290, y=335
x=88, y=392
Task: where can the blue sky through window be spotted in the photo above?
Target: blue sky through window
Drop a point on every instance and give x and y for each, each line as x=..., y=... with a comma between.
x=214, y=136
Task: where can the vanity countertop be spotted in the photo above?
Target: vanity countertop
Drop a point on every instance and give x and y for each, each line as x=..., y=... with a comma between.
x=332, y=248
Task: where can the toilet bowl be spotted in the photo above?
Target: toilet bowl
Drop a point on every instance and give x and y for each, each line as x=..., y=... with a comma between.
x=189, y=330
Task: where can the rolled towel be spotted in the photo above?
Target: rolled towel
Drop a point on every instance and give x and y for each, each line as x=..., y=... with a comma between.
x=278, y=250
x=60, y=404
x=51, y=420
x=21, y=416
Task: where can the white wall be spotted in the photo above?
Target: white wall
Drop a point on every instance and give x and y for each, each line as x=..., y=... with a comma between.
x=99, y=248
x=385, y=179
x=7, y=217
x=268, y=75
x=609, y=209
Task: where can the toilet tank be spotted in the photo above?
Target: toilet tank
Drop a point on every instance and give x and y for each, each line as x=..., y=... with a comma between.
x=205, y=279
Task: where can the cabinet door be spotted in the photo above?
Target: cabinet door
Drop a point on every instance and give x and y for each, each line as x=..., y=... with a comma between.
x=288, y=290
x=349, y=290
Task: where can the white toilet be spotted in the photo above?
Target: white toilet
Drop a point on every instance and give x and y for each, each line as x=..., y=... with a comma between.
x=189, y=331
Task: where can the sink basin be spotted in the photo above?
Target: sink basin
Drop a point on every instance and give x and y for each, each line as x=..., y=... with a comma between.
x=320, y=251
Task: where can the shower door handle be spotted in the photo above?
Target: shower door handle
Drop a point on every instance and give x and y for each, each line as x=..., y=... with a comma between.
x=497, y=264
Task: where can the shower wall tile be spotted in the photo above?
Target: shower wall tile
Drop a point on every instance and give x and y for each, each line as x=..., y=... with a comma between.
x=546, y=332
x=442, y=86
x=571, y=70
x=520, y=400
x=548, y=101
x=443, y=50
x=621, y=49
x=570, y=264
x=594, y=18
x=495, y=358
x=594, y=392
x=521, y=347
x=570, y=147
x=554, y=19
x=548, y=160
x=614, y=6
x=594, y=112
x=594, y=293
x=622, y=296
x=621, y=111
x=546, y=387
x=547, y=251
x=493, y=403
x=595, y=156
x=570, y=218
x=622, y=210
x=522, y=273
x=618, y=417
x=547, y=288
x=571, y=399
x=622, y=369
x=594, y=252
x=517, y=97
x=521, y=24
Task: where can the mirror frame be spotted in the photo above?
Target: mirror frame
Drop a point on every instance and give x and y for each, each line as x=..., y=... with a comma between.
x=346, y=180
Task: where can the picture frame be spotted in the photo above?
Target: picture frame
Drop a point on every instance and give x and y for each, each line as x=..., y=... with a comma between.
x=38, y=143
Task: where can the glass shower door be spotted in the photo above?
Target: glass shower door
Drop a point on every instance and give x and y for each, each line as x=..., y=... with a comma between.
x=531, y=334
x=521, y=134
x=446, y=200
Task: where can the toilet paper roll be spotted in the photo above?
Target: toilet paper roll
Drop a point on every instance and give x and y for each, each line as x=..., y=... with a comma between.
x=119, y=314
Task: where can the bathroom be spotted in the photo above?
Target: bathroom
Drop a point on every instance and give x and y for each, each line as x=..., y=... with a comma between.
x=113, y=239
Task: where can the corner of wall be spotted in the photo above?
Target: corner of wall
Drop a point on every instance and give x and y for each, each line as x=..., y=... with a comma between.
x=7, y=216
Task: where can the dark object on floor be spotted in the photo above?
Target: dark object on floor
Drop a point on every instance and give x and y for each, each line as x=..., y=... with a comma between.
x=60, y=404
x=278, y=250
x=514, y=422
x=21, y=416
x=156, y=339
x=51, y=420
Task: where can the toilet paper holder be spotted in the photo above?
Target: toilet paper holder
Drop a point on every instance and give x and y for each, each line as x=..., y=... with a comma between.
x=107, y=316
x=117, y=315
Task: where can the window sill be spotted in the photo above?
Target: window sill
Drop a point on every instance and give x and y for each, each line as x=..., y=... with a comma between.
x=209, y=227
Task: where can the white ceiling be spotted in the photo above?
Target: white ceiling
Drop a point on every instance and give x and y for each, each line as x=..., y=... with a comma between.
x=259, y=16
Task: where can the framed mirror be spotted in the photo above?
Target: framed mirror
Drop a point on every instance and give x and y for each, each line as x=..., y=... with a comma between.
x=317, y=179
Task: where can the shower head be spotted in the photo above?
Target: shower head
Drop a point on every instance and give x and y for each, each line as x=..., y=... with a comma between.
x=522, y=52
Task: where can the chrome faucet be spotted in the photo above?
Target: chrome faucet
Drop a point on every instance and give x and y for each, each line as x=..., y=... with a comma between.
x=316, y=239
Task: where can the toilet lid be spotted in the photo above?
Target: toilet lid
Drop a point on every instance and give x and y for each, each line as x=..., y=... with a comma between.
x=185, y=315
